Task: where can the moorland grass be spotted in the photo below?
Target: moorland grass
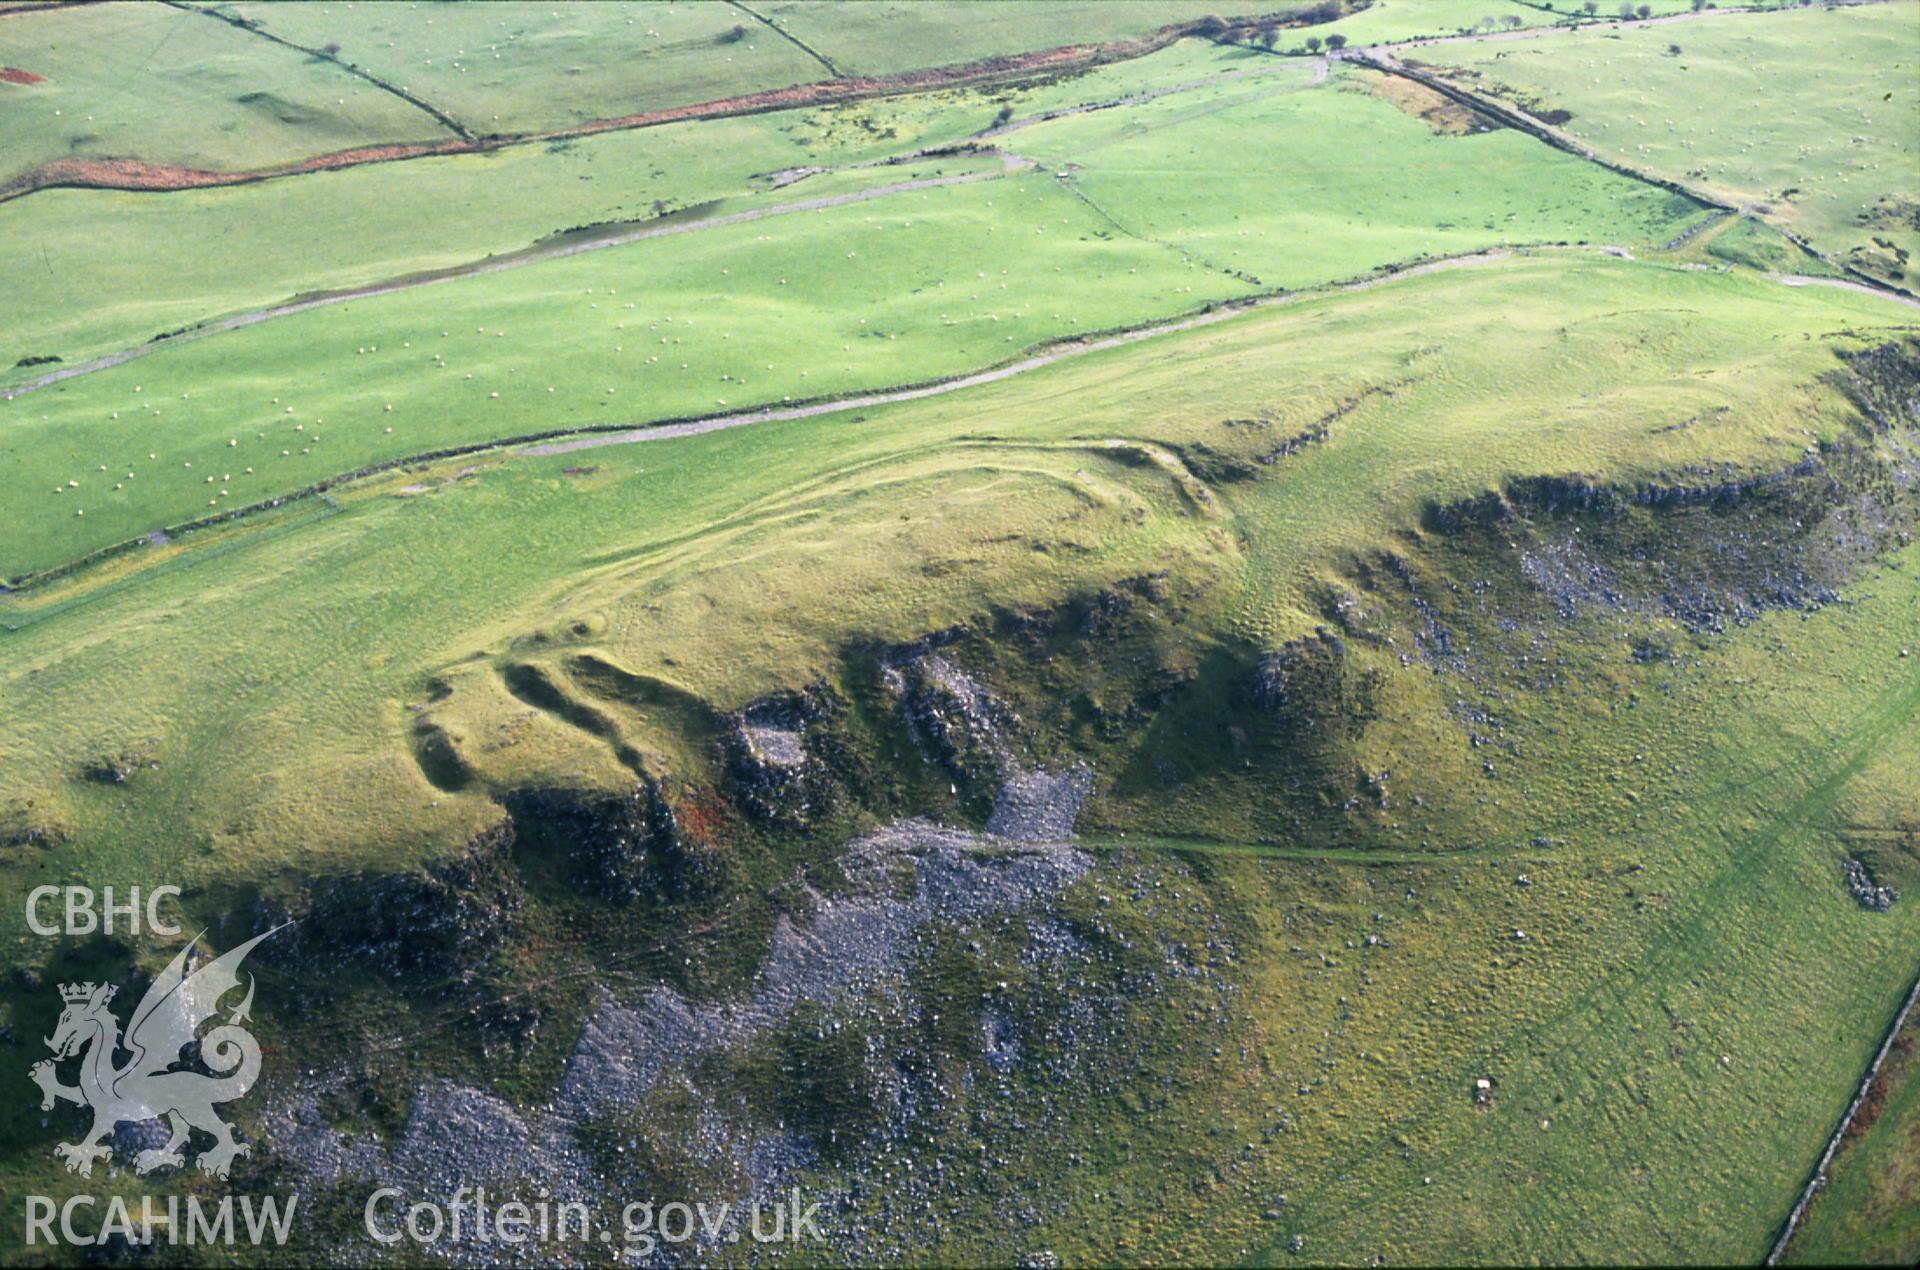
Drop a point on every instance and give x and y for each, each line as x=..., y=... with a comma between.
x=150, y=82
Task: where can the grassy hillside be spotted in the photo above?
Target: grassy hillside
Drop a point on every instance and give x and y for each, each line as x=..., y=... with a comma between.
x=147, y=81
x=511, y=67
x=1359, y=710
x=912, y=288
x=1287, y=170
x=87, y=296
x=1807, y=117
x=1692, y=859
x=1870, y=1212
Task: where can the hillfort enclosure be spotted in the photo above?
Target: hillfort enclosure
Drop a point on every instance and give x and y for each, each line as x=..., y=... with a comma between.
x=1036, y=632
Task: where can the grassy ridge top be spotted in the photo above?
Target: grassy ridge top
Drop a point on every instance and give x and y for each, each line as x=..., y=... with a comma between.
x=275, y=671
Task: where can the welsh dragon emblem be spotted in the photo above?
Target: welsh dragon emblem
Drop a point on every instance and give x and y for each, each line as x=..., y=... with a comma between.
x=153, y=1083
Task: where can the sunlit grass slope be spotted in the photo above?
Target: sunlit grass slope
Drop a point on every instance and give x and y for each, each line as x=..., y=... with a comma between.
x=147, y=81
x=914, y=287
x=113, y=269
x=307, y=644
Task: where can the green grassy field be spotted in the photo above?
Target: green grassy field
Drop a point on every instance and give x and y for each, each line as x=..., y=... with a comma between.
x=82, y=300
x=1290, y=168
x=508, y=67
x=891, y=36
x=145, y=81
x=904, y=290
x=1807, y=117
x=1390, y=21
x=511, y=67
x=1486, y=649
x=1870, y=1212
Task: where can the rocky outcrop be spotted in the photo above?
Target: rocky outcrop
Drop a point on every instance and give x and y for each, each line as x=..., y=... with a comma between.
x=1310, y=684
x=1040, y=806
x=614, y=847
x=771, y=767
x=419, y=930
x=957, y=721
x=1868, y=893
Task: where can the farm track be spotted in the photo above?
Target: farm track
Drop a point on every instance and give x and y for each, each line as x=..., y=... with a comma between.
x=511, y=260
x=1059, y=352
x=594, y=436
x=1845, y=284
x=535, y=253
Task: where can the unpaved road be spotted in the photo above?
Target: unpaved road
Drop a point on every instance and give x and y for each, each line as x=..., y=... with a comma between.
x=1057, y=353
x=1803, y=280
x=1080, y=348
x=1008, y=163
